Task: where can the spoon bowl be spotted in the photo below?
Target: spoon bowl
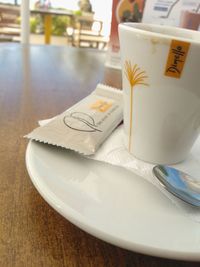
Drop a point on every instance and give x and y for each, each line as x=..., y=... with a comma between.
x=179, y=183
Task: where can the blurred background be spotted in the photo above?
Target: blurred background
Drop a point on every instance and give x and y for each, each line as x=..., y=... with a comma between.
x=89, y=23
x=93, y=16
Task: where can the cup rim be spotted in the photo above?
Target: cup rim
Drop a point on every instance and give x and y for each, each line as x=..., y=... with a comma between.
x=130, y=26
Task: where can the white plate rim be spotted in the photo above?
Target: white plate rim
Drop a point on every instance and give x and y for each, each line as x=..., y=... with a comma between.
x=79, y=221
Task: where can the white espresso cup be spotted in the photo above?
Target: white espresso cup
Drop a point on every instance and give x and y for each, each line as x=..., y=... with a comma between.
x=161, y=87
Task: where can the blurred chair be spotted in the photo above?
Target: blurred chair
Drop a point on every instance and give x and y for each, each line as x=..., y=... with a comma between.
x=9, y=25
x=86, y=32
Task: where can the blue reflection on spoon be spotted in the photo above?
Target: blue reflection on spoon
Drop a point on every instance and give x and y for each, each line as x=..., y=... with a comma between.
x=179, y=184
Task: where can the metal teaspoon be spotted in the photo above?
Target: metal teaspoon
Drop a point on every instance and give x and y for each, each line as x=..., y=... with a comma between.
x=180, y=184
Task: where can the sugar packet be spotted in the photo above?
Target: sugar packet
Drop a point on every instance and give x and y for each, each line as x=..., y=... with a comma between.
x=84, y=126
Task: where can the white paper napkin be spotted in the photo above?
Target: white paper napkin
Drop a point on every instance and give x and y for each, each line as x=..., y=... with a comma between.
x=114, y=152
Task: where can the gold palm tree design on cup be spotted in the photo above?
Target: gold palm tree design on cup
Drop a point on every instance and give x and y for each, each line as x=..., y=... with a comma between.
x=135, y=77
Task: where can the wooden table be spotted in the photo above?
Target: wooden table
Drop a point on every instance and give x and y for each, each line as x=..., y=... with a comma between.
x=37, y=83
x=47, y=14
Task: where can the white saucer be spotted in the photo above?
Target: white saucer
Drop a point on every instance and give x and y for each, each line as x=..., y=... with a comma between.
x=112, y=204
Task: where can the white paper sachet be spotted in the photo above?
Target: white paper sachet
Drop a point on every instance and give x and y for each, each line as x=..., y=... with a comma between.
x=84, y=126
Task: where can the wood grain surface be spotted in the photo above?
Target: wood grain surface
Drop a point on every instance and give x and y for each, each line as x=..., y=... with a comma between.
x=38, y=82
